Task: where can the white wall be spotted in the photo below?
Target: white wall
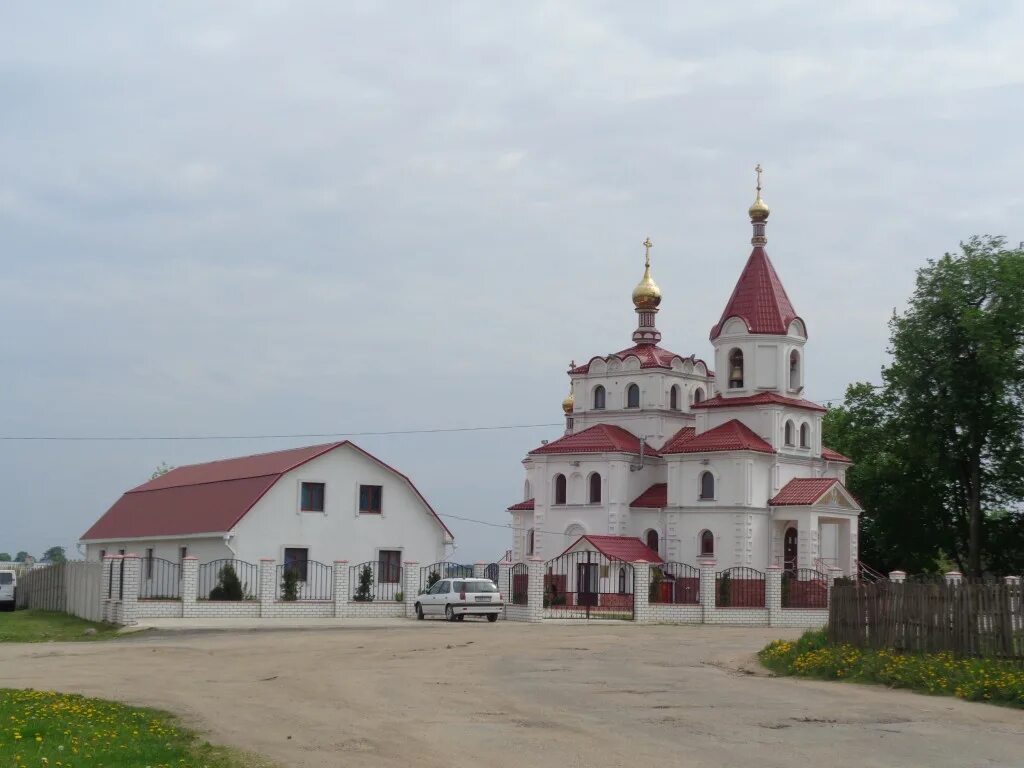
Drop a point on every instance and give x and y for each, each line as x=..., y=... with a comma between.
x=207, y=548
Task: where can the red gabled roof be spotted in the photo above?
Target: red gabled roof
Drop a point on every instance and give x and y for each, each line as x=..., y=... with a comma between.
x=655, y=497
x=684, y=435
x=210, y=497
x=649, y=355
x=732, y=436
x=627, y=548
x=829, y=455
x=528, y=504
x=758, y=298
x=761, y=398
x=600, y=438
x=803, y=491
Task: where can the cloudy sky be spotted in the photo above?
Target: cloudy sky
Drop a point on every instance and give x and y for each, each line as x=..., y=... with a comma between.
x=245, y=218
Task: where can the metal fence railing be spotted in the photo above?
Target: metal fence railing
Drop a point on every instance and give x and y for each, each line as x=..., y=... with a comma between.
x=305, y=580
x=804, y=588
x=518, y=584
x=159, y=579
x=228, y=579
x=585, y=584
x=677, y=583
x=444, y=570
x=740, y=587
x=375, y=581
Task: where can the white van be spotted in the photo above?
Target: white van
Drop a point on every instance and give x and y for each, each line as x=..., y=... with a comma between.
x=8, y=583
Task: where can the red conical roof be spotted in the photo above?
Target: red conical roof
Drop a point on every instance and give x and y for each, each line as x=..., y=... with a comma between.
x=758, y=298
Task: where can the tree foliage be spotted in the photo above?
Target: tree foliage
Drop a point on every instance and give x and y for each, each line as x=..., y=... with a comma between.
x=939, y=448
x=229, y=586
x=5, y=557
x=364, y=592
x=21, y=557
x=55, y=555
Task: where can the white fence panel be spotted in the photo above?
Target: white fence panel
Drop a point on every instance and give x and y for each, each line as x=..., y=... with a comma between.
x=72, y=587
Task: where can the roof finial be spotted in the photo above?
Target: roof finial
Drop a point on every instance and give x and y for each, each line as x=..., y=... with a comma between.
x=647, y=244
x=759, y=211
x=759, y=170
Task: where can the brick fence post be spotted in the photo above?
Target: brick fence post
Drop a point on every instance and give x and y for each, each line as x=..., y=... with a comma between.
x=411, y=586
x=130, y=590
x=641, y=592
x=535, y=591
x=268, y=585
x=480, y=570
x=189, y=586
x=707, y=587
x=897, y=577
x=773, y=594
x=954, y=578
x=341, y=589
x=105, y=589
x=504, y=567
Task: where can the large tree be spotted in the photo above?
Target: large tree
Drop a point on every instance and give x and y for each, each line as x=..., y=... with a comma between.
x=55, y=555
x=21, y=557
x=940, y=446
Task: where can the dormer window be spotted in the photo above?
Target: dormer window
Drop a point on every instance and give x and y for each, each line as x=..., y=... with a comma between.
x=632, y=396
x=736, y=369
x=599, y=398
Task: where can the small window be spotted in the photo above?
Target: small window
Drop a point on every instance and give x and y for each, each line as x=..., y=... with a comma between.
x=707, y=543
x=560, y=491
x=698, y=395
x=673, y=398
x=182, y=554
x=599, y=396
x=632, y=396
x=297, y=559
x=389, y=566
x=370, y=498
x=312, y=497
x=794, y=370
x=652, y=540
x=103, y=553
x=526, y=491
x=707, y=486
x=789, y=433
x=622, y=580
x=736, y=369
x=805, y=435
x=529, y=542
x=595, y=488
x=120, y=552
x=149, y=563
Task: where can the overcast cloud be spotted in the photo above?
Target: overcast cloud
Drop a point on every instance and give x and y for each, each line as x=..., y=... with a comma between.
x=271, y=217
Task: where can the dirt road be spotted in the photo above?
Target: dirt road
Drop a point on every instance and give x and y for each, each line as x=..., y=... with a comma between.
x=431, y=694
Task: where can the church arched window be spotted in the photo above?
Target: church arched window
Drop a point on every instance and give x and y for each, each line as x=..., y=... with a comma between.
x=599, y=398
x=707, y=485
x=526, y=491
x=707, y=543
x=805, y=435
x=673, y=397
x=622, y=580
x=632, y=396
x=652, y=540
x=530, y=540
x=789, y=432
x=794, y=370
x=698, y=395
x=595, y=488
x=560, y=489
x=736, y=369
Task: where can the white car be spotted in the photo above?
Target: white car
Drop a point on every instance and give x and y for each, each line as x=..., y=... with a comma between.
x=8, y=584
x=456, y=598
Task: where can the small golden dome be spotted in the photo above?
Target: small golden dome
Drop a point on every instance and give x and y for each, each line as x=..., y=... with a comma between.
x=759, y=210
x=569, y=403
x=647, y=294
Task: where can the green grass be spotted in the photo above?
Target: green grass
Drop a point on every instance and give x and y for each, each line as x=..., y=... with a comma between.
x=985, y=679
x=42, y=728
x=33, y=626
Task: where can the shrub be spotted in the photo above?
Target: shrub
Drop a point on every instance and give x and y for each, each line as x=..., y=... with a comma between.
x=725, y=591
x=399, y=597
x=290, y=585
x=433, y=578
x=364, y=592
x=229, y=586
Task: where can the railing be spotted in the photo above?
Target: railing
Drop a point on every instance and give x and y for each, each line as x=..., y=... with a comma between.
x=866, y=573
x=228, y=579
x=675, y=583
x=491, y=572
x=429, y=574
x=305, y=580
x=159, y=579
x=518, y=584
x=374, y=580
x=586, y=584
x=739, y=587
x=804, y=588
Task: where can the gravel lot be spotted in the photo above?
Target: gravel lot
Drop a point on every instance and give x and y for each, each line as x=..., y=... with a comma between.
x=426, y=694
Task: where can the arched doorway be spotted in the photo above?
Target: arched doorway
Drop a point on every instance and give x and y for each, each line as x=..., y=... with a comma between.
x=789, y=550
x=652, y=540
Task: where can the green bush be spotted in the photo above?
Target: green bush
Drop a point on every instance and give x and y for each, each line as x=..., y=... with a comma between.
x=973, y=679
x=229, y=586
x=364, y=592
x=725, y=591
x=290, y=585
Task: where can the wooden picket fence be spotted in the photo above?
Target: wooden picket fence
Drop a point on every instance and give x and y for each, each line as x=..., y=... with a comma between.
x=966, y=619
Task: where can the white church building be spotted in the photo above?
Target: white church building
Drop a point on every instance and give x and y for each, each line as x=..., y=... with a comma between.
x=659, y=447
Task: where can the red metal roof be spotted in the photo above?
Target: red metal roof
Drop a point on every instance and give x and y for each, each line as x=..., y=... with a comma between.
x=627, y=548
x=649, y=355
x=802, y=491
x=829, y=455
x=528, y=504
x=732, y=436
x=600, y=438
x=655, y=497
x=210, y=497
x=761, y=398
x=684, y=435
x=758, y=298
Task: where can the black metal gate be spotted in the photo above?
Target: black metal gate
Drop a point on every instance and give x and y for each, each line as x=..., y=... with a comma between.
x=436, y=571
x=588, y=585
x=491, y=572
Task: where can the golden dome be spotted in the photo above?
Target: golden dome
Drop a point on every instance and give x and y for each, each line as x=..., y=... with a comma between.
x=569, y=403
x=759, y=210
x=647, y=294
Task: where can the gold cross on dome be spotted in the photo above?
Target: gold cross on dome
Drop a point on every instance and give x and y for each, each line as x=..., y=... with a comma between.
x=647, y=244
x=759, y=170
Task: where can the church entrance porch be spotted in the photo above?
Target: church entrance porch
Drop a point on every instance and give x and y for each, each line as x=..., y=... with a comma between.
x=588, y=585
x=814, y=540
